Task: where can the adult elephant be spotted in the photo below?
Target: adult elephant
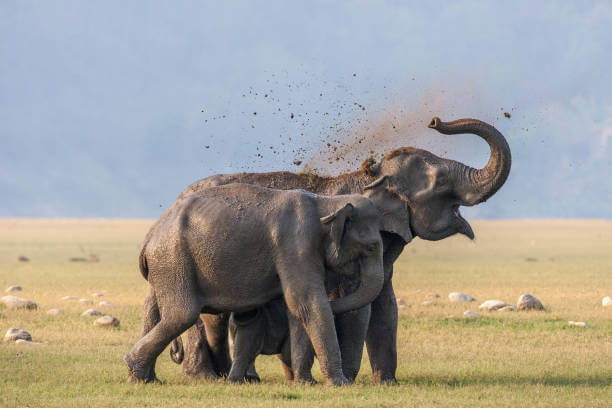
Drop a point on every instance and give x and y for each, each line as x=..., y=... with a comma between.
x=419, y=195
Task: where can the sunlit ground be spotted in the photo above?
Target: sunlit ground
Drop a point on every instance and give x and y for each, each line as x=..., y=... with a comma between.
x=502, y=359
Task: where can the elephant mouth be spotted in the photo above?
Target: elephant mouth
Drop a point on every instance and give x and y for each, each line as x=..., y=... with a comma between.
x=465, y=227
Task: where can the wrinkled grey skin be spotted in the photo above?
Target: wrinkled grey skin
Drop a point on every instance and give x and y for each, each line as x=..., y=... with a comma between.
x=418, y=193
x=236, y=247
x=271, y=330
x=261, y=331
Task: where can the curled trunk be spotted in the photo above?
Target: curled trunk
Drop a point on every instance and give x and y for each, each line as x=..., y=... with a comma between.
x=372, y=279
x=474, y=186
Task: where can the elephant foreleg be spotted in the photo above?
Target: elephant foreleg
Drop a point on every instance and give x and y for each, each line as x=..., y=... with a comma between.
x=352, y=328
x=198, y=362
x=301, y=353
x=381, y=339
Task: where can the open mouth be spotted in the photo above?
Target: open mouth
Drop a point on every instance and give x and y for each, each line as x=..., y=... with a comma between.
x=467, y=229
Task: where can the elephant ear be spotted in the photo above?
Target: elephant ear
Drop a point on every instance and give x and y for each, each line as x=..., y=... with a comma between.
x=392, y=208
x=337, y=226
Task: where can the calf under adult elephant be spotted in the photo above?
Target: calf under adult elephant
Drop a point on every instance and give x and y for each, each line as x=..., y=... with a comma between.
x=236, y=247
x=418, y=193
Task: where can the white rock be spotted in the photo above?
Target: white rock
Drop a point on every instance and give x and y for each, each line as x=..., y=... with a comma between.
x=460, y=297
x=97, y=294
x=55, y=312
x=86, y=301
x=14, y=302
x=471, y=315
x=507, y=308
x=91, y=312
x=607, y=301
x=428, y=303
x=401, y=306
x=105, y=303
x=14, y=334
x=528, y=302
x=14, y=288
x=27, y=342
x=577, y=324
x=492, y=305
x=401, y=302
x=106, y=321
x=69, y=298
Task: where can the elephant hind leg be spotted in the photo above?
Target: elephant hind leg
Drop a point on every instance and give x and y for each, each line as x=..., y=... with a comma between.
x=174, y=320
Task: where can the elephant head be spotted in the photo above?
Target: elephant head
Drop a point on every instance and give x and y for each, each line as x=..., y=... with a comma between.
x=432, y=188
x=353, y=247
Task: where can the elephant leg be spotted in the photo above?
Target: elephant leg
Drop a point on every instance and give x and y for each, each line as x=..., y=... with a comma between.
x=251, y=374
x=300, y=352
x=249, y=335
x=198, y=362
x=175, y=318
x=311, y=307
x=381, y=339
x=285, y=358
x=150, y=313
x=352, y=328
x=217, y=339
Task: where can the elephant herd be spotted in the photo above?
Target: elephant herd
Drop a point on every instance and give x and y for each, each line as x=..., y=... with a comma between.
x=300, y=265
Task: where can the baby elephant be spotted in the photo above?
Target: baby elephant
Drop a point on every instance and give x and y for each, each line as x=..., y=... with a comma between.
x=233, y=248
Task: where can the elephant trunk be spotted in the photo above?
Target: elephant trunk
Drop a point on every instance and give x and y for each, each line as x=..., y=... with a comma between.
x=372, y=279
x=474, y=186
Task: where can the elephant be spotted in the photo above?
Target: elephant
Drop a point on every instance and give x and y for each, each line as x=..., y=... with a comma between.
x=233, y=248
x=419, y=195
x=272, y=330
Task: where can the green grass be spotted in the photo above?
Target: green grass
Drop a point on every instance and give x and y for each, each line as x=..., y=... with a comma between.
x=502, y=359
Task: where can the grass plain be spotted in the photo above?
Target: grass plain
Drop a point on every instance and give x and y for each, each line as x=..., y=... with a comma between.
x=503, y=359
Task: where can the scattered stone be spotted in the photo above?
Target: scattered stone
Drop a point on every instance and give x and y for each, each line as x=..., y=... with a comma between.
x=86, y=301
x=27, y=342
x=14, y=334
x=492, y=305
x=91, y=312
x=105, y=303
x=14, y=302
x=577, y=324
x=428, y=303
x=107, y=321
x=14, y=288
x=471, y=315
x=55, y=312
x=22, y=258
x=97, y=294
x=607, y=301
x=507, y=308
x=432, y=296
x=529, y=302
x=460, y=297
x=69, y=298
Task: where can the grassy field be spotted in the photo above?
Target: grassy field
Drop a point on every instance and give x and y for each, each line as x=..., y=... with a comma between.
x=503, y=359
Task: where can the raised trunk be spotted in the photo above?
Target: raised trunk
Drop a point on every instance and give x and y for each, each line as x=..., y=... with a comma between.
x=372, y=279
x=474, y=186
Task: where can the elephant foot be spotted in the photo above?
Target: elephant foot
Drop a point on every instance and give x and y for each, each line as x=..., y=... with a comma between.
x=337, y=381
x=252, y=378
x=307, y=380
x=140, y=373
x=385, y=379
x=202, y=375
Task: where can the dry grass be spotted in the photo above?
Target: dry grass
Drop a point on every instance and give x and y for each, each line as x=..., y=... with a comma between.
x=503, y=359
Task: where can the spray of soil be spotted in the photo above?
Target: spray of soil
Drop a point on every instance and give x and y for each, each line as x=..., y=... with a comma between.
x=376, y=133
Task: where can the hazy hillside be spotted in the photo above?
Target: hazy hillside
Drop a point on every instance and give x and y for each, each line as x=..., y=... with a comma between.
x=107, y=110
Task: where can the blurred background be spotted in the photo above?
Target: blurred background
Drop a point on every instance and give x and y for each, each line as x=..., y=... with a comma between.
x=109, y=109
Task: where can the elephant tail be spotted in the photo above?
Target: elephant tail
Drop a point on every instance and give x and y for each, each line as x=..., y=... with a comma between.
x=142, y=263
x=177, y=353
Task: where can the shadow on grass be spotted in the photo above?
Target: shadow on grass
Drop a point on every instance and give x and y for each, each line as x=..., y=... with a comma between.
x=547, y=380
